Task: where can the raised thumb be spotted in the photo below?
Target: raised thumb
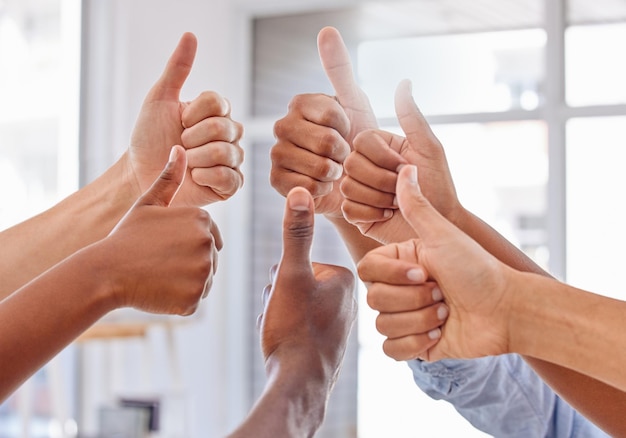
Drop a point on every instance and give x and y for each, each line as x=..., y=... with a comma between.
x=298, y=225
x=336, y=61
x=412, y=121
x=176, y=70
x=165, y=187
x=416, y=209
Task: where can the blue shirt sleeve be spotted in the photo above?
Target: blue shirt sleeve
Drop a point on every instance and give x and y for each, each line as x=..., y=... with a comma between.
x=502, y=396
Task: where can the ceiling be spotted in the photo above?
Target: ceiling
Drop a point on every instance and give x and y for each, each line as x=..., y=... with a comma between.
x=413, y=17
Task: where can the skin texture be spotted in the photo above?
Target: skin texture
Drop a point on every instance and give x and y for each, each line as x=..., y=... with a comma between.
x=495, y=309
x=142, y=241
x=315, y=137
x=596, y=400
x=359, y=201
x=72, y=295
x=211, y=142
x=309, y=310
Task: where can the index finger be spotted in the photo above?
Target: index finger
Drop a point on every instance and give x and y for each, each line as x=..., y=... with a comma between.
x=382, y=265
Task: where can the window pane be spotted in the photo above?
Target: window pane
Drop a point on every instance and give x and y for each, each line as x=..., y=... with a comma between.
x=500, y=172
x=286, y=61
x=597, y=11
x=36, y=103
x=456, y=73
x=594, y=69
x=390, y=404
x=39, y=46
x=596, y=214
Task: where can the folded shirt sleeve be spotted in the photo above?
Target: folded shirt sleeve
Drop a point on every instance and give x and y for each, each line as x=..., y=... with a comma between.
x=502, y=396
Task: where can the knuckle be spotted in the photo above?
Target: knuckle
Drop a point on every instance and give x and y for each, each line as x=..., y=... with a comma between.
x=299, y=230
x=279, y=128
x=328, y=143
x=389, y=349
x=321, y=168
x=346, y=187
x=351, y=163
x=239, y=129
x=329, y=116
x=203, y=216
x=298, y=101
x=382, y=324
x=230, y=181
x=211, y=96
x=373, y=298
x=217, y=128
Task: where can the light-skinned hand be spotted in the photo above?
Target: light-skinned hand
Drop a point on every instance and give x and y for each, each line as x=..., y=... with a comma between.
x=203, y=127
x=372, y=169
x=474, y=284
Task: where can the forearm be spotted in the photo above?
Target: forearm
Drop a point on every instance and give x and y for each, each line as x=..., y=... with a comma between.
x=47, y=314
x=596, y=400
x=585, y=329
x=357, y=244
x=33, y=246
x=293, y=404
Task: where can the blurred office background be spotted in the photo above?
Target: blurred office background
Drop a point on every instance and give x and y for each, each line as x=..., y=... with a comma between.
x=527, y=97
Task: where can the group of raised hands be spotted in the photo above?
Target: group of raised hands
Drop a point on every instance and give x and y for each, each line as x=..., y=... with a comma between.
x=444, y=283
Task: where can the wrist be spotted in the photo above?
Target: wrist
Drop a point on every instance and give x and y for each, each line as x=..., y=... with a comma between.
x=129, y=183
x=292, y=364
x=460, y=217
x=527, y=300
x=305, y=383
x=91, y=267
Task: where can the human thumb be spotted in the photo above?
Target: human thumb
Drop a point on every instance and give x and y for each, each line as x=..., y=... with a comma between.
x=336, y=61
x=176, y=70
x=415, y=127
x=416, y=209
x=165, y=187
x=298, y=228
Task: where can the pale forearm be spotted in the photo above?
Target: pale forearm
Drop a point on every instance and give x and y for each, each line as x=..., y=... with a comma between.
x=33, y=246
x=594, y=399
x=47, y=314
x=570, y=327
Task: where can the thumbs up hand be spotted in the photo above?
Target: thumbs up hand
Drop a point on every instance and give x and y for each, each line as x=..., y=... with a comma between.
x=474, y=284
x=315, y=137
x=370, y=184
x=203, y=126
x=161, y=259
x=309, y=308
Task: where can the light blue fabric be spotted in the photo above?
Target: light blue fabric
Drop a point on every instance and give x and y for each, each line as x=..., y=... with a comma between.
x=502, y=396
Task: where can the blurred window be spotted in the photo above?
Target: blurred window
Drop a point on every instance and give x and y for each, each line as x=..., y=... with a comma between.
x=39, y=84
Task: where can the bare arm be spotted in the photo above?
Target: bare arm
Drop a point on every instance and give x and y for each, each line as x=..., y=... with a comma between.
x=596, y=400
x=376, y=157
x=293, y=402
x=49, y=312
x=33, y=246
x=308, y=313
x=495, y=309
x=203, y=127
